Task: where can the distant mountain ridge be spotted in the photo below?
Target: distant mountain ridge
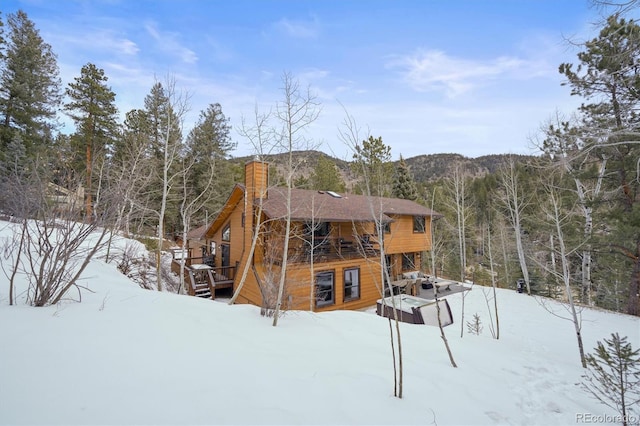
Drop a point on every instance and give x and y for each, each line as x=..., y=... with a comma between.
x=430, y=167
x=425, y=168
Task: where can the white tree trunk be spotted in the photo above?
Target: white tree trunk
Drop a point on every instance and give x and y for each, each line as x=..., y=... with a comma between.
x=515, y=203
x=566, y=276
x=295, y=113
x=493, y=285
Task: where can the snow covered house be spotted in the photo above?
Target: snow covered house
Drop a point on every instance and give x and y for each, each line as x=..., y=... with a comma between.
x=333, y=250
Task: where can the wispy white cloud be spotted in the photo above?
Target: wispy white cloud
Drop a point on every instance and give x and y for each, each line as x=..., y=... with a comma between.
x=168, y=42
x=308, y=29
x=434, y=70
x=99, y=40
x=128, y=47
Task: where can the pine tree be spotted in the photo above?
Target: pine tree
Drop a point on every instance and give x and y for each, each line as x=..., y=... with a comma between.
x=29, y=85
x=608, y=77
x=132, y=167
x=12, y=166
x=163, y=122
x=404, y=185
x=92, y=108
x=208, y=145
x=613, y=376
x=165, y=148
x=475, y=326
x=373, y=165
x=325, y=176
x=135, y=135
x=2, y=42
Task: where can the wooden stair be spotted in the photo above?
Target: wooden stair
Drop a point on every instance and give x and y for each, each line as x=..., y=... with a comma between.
x=202, y=290
x=202, y=281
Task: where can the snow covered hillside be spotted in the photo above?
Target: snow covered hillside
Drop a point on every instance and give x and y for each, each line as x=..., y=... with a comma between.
x=125, y=355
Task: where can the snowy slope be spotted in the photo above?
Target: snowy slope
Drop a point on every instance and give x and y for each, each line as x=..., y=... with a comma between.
x=131, y=356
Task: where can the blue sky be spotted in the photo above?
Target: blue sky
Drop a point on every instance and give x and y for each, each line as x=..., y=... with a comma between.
x=433, y=76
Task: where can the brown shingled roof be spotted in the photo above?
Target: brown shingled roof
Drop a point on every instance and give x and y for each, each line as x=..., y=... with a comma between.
x=321, y=205
x=197, y=233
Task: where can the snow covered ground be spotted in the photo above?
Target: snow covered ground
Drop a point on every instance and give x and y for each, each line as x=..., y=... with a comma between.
x=125, y=355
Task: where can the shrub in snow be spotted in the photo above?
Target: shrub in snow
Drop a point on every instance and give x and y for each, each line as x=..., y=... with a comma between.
x=50, y=255
x=613, y=377
x=475, y=325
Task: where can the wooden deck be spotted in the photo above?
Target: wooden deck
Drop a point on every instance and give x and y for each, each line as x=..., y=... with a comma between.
x=331, y=249
x=203, y=280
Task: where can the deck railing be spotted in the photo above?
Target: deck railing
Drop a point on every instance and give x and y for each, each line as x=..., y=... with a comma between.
x=222, y=274
x=328, y=249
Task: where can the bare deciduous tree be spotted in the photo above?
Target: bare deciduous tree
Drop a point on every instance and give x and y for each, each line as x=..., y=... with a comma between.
x=259, y=136
x=349, y=135
x=556, y=216
x=563, y=144
x=191, y=203
x=298, y=110
x=459, y=194
x=495, y=332
x=433, y=262
x=55, y=245
x=176, y=105
x=515, y=201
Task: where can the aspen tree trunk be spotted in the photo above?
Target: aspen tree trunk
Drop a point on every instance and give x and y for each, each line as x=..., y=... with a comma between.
x=350, y=137
x=493, y=284
x=177, y=104
x=287, y=235
x=312, y=257
x=296, y=113
x=442, y=335
x=505, y=257
x=435, y=292
x=259, y=137
x=459, y=194
x=189, y=206
x=587, y=212
x=89, y=159
x=515, y=203
x=555, y=216
x=566, y=277
x=163, y=208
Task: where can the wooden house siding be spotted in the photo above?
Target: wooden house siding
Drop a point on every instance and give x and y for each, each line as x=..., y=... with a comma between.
x=300, y=278
x=234, y=221
x=250, y=291
x=403, y=239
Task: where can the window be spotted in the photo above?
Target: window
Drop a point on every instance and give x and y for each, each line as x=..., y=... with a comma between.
x=226, y=233
x=325, y=294
x=386, y=227
x=320, y=229
x=418, y=224
x=408, y=261
x=351, y=284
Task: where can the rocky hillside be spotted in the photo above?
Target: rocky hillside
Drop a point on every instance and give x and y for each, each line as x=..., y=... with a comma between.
x=425, y=168
x=435, y=166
